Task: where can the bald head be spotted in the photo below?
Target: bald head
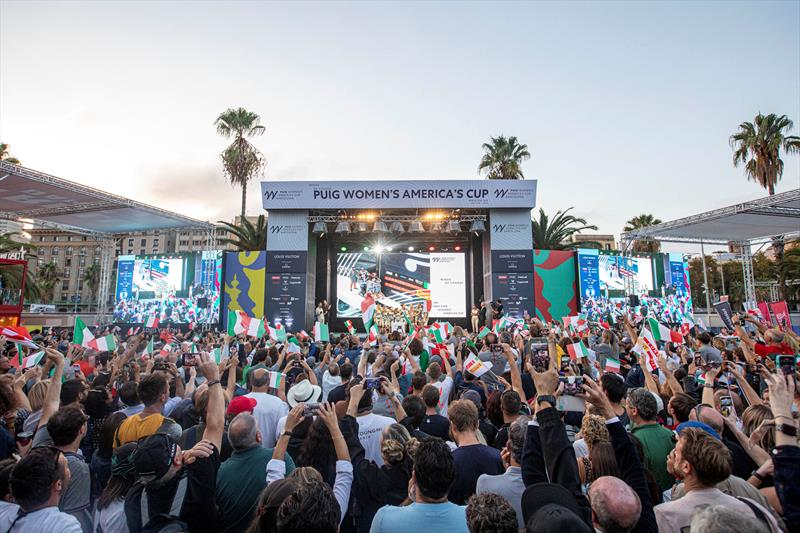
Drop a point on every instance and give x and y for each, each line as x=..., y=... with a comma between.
x=712, y=418
x=243, y=432
x=260, y=379
x=615, y=506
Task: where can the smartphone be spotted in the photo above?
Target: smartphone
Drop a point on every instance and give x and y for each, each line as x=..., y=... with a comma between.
x=787, y=364
x=310, y=409
x=76, y=367
x=570, y=403
x=24, y=438
x=540, y=357
x=572, y=384
x=698, y=361
x=372, y=384
x=564, y=362
x=725, y=405
x=497, y=348
x=189, y=359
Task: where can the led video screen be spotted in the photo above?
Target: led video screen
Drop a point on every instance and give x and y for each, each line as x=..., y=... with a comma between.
x=659, y=281
x=172, y=289
x=435, y=282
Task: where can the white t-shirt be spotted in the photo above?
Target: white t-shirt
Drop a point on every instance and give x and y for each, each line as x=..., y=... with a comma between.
x=112, y=518
x=47, y=519
x=269, y=409
x=581, y=448
x=370, y=430
x=444, y=394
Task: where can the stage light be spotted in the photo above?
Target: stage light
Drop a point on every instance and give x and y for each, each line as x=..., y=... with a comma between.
x=366, y=248
x=397, y=227
x=431, y=248
x=343, y=248
x=389, y=249
x=380, y=227
x=361, y=227
x=436, y=227
x=453, y=227
x=343, y=227
x=379, y=248
x=410, y=248
x=416, y=227
x=320, y=228
x=477, y=226
x=457, y=248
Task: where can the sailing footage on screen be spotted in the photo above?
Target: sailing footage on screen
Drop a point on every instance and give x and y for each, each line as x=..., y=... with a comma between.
x=154, y=291
x=404, y=286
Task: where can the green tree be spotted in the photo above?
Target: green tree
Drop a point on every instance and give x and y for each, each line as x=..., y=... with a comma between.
x=246, y=236
x=241, y=161
x=48, y=279
x=757, y=145
x=12, y=276
x=92, y=278
x=714, y=280
x=643, y=221
x=555, y=233
x=5, y=156
x=502, y=158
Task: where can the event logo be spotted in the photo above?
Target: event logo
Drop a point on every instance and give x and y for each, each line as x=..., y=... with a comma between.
x=275, y=229
x=498, y=228
x=270, y=195
x=500, y=193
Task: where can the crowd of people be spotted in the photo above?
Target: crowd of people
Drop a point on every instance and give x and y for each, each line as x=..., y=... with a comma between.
x=537, y=427
x=200, y=308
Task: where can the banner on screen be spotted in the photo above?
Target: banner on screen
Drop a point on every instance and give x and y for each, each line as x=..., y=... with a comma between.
x=417, y=283
x=178, y=289
x=387, y=194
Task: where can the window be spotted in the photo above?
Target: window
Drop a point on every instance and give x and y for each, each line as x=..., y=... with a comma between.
x=55, y=250
x=144, y=242
x=96, y=259
x=80, y=285
x=41, y=238
x=66, y=274
x=82, y=250
x=130, y=243
x=83, y=238
x=67, y=262
x=68, y=251
x=56, y=238
x=64, y=296
x=65, y=285
x=195, y=242
x=155, y=242
x=142, y=251
x=70, y=238
x=184, y=243
x=82, y=260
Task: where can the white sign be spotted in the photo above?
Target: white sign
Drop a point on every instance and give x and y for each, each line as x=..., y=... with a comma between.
x=477, y=194
x=448, y=285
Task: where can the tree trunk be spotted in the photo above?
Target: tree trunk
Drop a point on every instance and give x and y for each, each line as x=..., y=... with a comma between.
x=771, y=188
x=244, y=202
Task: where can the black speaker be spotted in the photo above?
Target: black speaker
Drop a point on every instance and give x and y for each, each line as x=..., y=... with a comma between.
x=633, y=300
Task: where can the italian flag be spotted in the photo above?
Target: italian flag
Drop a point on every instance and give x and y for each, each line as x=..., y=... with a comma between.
x=32, y=359
x=438, y=332
x=275, y=380
x=152, y=322
x=503, y=323
x=278, y=333
x=19, y=335
x=103, y=344
x=410, y=338
x=321, y=333
x=239, y=323
x=408, y=321
x=349, y=325
x=663, y=333
x=150, y=348
x=613, y=365
x=216, y=353
x=367, y=311
x=576, y=350
x=81, y=334
x=485, y=331
x=373, y=334
x=303, y=335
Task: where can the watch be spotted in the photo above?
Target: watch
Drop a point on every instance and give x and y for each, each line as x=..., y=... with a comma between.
x=758, y=476
x=286, y=433
x=549, y=398
x=787, y=429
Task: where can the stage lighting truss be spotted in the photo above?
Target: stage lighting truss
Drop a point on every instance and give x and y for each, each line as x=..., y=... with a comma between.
x=343, y=227
x=450, y=224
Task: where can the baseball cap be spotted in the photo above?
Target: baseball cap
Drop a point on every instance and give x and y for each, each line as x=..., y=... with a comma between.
x=241, y=404
x=700, y=425
x=154, y=455
x=550, y=508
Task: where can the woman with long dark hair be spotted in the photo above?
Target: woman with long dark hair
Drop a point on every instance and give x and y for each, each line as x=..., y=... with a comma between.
x=110, y=514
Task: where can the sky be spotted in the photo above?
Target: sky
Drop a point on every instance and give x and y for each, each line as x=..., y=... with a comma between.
x=626, y=108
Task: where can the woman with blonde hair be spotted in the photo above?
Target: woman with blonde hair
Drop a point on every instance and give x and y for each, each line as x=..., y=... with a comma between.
x=601, y=460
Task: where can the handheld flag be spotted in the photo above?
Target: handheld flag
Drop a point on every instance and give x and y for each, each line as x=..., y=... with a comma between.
x=275, y=380
x=19, y=335
x=373, y=334
x=103, y=344
x=239, y=322
x=613, y=365
x=321, y=333
x=367, y=311
x=32, y=360
x=646, y=346
x=81, y=334
x=475, y=366
x=152, y=322
x=663, y=333
x=482, y=333
x=576, y=350
x=349, y=325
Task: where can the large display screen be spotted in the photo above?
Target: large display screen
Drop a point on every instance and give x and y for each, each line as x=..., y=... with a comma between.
x=176, y=289
x=660, y=283
x=431, y=282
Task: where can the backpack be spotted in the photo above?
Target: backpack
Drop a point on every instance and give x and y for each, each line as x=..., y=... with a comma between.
x=162, y=522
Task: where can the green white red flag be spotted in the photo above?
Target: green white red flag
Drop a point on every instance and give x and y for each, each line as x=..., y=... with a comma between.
x=103, y=344
x=663, y=333
x=349, y=325
x=373, y=334
x=483, y=332
x=475, y=366
x=613, y=365
x=321, y=333
x=152, y=322
x=239, y=323
x=81, y=334
x=577, y=350
x=32, y=360
x=19, y=335
x=275, y=380
x=367, y=311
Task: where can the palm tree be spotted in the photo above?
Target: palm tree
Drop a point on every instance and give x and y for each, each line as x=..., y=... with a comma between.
x=48, y=278
x=248, y=237
x=643, y=221
x=92, y=278
x=758, y=144
x=4, y=156
x=502, y=158
x=555, y=233
x=12, y=277
x=241, y=161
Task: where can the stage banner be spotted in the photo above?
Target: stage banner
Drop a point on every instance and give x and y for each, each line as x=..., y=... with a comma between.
x=555, y=284
x=589, y=273
x=445, y=194
x=289, y=283
x=781, y=313
x=512, y=260
x=764, y=308
x=515, y=289
x=288, y=230
x=510, y=229
x=286, y=300
x=244, y=283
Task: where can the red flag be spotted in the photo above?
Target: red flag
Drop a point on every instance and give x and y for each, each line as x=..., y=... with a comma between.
x=781, y=313
x=764, y=308
x=19, y=335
